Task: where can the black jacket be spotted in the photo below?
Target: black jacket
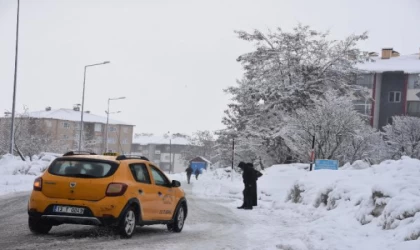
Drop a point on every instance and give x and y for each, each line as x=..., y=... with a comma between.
x=189, y=171
x=250, y=175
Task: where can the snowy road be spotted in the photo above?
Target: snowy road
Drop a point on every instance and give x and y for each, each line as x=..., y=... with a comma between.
x=209, y=225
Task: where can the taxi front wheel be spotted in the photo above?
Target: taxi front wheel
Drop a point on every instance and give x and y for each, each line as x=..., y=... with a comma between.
x=178, y=223
x=37, y=226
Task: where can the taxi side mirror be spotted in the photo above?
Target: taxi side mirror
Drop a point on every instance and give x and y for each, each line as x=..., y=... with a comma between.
x=176, y=183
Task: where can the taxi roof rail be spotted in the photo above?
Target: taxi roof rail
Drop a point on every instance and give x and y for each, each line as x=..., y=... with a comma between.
x=128, y=157
x=78, y=153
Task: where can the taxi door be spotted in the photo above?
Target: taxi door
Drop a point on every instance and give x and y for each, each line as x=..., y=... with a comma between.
x=165, y=202
x=144, y=190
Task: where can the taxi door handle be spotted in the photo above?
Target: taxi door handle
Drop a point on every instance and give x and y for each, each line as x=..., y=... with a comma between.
x=159, y=193
x=140, y=191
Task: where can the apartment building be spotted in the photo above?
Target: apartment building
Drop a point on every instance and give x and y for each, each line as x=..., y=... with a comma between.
x=393, y=81
x=164, y=151
x=63, y=125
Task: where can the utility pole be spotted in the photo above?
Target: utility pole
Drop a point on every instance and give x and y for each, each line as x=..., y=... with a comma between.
x=233, y=155
x=312, y=153
x=12, y=130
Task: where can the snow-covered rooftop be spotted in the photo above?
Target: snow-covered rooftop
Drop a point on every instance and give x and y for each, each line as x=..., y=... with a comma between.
x=154, y=139
x=204, y=159
x=72, y=115
x=408, y=63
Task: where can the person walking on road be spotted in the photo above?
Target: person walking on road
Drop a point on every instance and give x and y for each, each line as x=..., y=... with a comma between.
x=197, y=173
x=189, y=171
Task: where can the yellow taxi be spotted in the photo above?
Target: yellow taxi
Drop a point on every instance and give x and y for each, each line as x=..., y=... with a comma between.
x=117, y=191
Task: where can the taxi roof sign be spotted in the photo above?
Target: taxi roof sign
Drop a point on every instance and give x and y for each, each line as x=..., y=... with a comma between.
x=111, y=154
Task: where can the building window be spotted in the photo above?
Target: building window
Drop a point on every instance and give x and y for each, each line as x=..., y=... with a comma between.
x=125, y=141
x=65, y=137
x=125, y=130
x=98, y=127
x=66, y=125
x=394, y=96
x=414, y=81
x=112, y=129
x=413, y=108
x=365, y=80
x=111, y=140
x=48, y=123
x=157, y=152
x=363, y=106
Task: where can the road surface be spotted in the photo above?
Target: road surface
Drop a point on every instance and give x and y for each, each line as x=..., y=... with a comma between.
x=209, y=225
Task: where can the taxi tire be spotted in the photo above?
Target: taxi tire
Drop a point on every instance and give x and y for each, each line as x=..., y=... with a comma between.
x=37, y=226
x=127, y=225
x=177, y=226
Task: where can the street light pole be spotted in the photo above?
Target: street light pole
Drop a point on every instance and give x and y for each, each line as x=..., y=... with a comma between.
x=170, y=155
x=83, y=101
x=12, y=130
x=107, y=120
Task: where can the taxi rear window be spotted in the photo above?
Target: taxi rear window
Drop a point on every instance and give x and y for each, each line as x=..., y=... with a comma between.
x=82, y=168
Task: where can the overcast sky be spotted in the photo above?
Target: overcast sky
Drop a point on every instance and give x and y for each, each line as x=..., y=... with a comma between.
x=170, y=59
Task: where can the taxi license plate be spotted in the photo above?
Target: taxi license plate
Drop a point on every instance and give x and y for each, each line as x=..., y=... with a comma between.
x=68, y=210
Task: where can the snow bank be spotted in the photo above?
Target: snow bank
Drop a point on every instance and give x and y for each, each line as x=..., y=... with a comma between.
x=387, y=195
x=17, y=175
x=13, y=165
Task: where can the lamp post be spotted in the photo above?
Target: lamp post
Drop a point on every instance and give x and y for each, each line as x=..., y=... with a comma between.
x=83, y=101
x=12, y=130
x=107, y=120
x=170, y=152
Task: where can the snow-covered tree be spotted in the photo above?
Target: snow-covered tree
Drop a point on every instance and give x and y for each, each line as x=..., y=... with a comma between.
x=288, y=71
x=31, y=136
x=4, y=135
x=366, y=144
x=403, y=136
x=332, y=121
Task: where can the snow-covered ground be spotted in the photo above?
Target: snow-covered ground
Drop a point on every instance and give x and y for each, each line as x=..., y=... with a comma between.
x=356, y=207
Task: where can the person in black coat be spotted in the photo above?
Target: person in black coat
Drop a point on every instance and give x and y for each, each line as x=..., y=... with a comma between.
x=253, y=183
x=248, y=177
x=189, y=171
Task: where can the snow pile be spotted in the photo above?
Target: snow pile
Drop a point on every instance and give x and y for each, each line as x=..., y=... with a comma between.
x=359, y=164
x=17, y=175
x=13, y=165
x=387, y=195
